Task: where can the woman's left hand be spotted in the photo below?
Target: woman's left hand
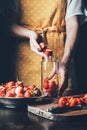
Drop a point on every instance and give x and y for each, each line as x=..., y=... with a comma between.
x=62, y=72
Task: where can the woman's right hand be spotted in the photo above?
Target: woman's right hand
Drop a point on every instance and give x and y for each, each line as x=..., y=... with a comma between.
x=22, y=32
x=33, y=36
x=34, y=45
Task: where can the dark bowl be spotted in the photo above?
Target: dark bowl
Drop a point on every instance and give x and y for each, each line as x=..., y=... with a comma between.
x=13, y=102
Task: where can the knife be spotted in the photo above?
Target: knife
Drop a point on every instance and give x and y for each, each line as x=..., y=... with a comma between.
x=65, y=109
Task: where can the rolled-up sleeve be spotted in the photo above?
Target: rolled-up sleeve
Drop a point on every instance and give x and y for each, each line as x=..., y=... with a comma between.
x=76, y=7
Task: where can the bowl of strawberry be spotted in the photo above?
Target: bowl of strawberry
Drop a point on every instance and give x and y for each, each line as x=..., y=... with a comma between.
x=15, y=94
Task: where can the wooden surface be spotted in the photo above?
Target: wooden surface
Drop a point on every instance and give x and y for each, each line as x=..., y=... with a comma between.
x=40, y=109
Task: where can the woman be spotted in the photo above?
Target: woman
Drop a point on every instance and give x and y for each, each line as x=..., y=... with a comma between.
x=58, y=21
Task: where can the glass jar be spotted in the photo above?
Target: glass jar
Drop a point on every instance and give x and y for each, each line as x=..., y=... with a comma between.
x=46, y=68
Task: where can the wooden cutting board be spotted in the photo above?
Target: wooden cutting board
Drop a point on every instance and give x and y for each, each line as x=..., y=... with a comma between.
x=40, y=109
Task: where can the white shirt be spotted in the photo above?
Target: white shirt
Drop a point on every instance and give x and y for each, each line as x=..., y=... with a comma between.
x=76, y=7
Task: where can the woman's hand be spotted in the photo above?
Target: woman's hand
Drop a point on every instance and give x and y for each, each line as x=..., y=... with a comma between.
x=34, y=38
x=62, y=72
x=34, y=45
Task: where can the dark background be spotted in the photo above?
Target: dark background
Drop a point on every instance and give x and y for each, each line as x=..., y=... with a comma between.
x=6, y=52
x=81, y=59
x=7, y=46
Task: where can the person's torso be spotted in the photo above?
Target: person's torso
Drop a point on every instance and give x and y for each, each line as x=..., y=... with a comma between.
x=42, y=13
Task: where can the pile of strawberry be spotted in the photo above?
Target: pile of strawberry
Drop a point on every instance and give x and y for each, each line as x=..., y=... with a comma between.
x=17, y=89
x=72, y=101
x=50, y=87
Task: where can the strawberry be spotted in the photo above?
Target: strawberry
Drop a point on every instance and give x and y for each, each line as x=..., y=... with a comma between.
x=27, y=94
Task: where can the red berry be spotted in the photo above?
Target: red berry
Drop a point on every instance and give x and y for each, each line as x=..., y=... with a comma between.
x=46, y=85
